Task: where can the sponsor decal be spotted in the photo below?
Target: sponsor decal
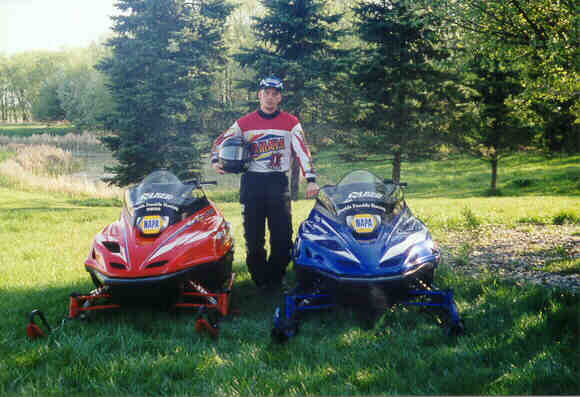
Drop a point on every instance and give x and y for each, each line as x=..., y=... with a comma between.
x=359, y=195
x=268, y=145
x=151, y=224
x=156, y=196
x=355, y=206
x=364, y=223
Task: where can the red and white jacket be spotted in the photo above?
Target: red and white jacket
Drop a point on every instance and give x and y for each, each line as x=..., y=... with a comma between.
x=273, y=141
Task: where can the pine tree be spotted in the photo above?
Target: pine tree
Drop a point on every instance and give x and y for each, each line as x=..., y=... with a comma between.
x=397, y=79
x=296, y=39
x=163, y=58
x=489, y=130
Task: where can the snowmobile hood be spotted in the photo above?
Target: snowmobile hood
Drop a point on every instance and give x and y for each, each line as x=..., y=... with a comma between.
x=164, y=228
x=362, y=228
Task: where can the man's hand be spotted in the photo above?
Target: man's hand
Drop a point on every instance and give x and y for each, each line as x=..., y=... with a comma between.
x=312, y=190
x=218, y=168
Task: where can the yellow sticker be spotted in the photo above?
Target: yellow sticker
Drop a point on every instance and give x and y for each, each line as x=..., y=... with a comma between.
x=364, y=223
x=151, y=224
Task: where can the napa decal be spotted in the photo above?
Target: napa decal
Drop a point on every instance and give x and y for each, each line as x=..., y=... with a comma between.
x=363, y=223
x=151, y=224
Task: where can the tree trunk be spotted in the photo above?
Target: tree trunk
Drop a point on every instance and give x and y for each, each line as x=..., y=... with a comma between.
x=397, y=167
x=494, y=162
x=295, y=169
x=294, y=180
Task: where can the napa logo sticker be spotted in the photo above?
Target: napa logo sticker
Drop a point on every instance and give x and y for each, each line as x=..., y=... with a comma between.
x=151, y=224
x=363, y=223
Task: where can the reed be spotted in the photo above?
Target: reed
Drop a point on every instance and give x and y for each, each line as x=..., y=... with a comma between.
x=49, y=168
x=86, y=142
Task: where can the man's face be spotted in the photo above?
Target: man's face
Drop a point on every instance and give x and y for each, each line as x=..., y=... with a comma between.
x=270, y=98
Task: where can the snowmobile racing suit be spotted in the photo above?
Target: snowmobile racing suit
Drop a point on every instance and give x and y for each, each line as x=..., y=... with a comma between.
x=273, y=139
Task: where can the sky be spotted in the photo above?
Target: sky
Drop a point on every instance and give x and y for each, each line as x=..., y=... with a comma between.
x=52, y=25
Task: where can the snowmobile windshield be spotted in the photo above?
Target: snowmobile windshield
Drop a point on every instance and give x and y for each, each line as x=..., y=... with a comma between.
x=362, y=200
x=161, y=200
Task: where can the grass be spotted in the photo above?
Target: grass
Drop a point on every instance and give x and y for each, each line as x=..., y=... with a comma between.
x=462, y=177
x=522, y=339
x=30, y=129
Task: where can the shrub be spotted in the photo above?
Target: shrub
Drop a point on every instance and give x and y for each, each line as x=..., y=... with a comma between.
x=534, y=220
x=564, y=217
x=471, y=220
x=523, y=182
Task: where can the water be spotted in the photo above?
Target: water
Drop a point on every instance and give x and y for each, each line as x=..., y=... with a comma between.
x=93, y=169
x=93, y=164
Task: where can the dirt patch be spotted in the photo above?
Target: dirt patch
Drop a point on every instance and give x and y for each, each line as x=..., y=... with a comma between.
x=519, y=253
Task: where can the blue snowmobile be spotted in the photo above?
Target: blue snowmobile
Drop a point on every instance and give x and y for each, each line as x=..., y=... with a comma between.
x=361, y=246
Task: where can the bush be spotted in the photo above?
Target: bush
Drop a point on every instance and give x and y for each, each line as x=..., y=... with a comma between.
x=564, y=217
x=471, y=220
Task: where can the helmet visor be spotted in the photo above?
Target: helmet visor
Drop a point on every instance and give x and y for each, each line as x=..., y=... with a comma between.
x=272, y=82
x=232, y=153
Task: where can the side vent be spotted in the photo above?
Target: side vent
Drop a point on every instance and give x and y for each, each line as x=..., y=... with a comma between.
x=118, y=265
x=157, y=264
x=112, y=246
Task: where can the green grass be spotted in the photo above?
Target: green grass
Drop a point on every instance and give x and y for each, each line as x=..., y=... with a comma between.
x=29, y=129
x=521, y=340
x=462, y=177
x=565, y=266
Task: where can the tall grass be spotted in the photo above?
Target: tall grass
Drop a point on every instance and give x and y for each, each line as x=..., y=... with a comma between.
x=85, y=142
x=49, y=168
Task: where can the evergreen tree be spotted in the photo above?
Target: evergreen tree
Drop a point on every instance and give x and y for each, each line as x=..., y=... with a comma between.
x=490, y=129
x=163, y=58
x=296, y=44
x=397, y=79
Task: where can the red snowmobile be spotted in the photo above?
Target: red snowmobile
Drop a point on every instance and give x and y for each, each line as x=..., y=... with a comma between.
x=171, y=246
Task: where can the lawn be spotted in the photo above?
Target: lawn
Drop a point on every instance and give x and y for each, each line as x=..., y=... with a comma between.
x=521, y=339
x=29, y=129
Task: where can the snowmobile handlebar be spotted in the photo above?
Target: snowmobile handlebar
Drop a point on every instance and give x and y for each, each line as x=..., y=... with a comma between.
x=402, y=184
x=198, y=182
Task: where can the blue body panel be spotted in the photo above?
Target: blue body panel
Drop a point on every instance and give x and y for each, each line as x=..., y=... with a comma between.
x=326, y=246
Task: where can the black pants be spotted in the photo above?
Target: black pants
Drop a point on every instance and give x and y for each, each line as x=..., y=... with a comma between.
x=266, y=197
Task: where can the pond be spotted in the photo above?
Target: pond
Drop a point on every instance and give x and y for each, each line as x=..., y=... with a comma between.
x=93, y=169
x=93, y=164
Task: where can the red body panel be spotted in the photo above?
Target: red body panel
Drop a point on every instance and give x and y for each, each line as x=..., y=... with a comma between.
x=203, y=237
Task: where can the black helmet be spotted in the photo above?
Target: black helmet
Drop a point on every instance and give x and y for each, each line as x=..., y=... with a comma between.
x=272, y=82
x=233, y=155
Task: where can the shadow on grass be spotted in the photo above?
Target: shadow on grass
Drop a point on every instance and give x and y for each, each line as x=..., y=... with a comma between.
x=519, y=341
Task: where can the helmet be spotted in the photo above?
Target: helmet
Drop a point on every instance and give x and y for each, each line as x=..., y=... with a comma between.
x=234, y=155
x=272, y=82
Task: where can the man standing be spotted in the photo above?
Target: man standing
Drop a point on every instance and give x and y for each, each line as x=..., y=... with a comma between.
x=274, y=137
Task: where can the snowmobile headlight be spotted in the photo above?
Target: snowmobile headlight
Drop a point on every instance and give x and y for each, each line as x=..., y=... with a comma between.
x=152, y=225
x=417, y=254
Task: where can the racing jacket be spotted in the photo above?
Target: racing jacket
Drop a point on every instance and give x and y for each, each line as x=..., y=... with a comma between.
x=273, y=140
